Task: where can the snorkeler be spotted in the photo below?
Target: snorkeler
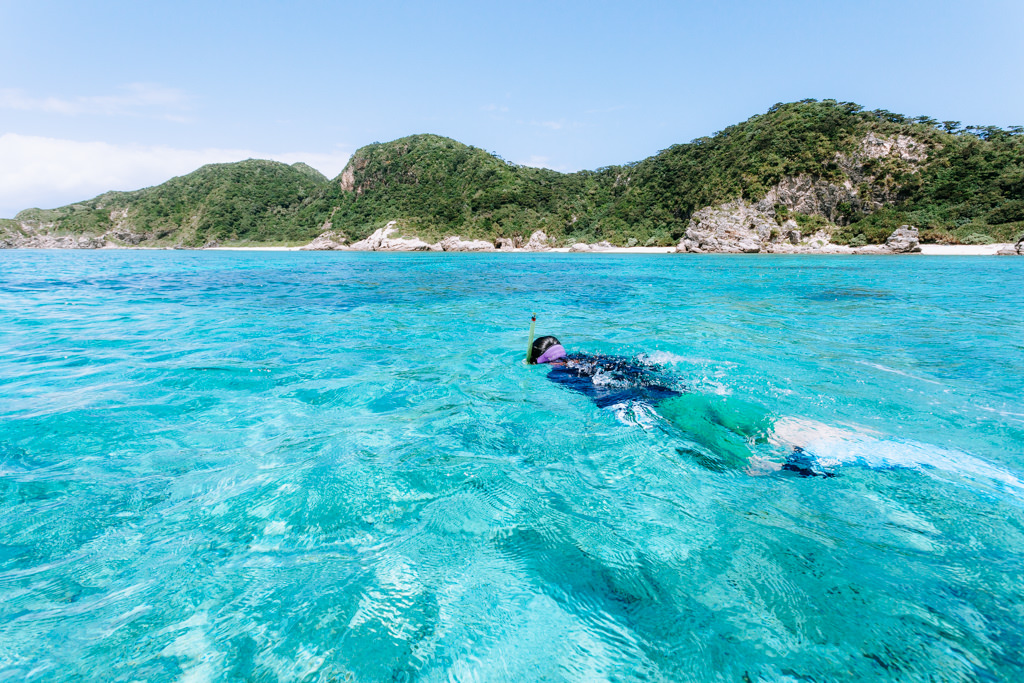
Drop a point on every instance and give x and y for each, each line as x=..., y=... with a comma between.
x=724, y=432
x=606, y=380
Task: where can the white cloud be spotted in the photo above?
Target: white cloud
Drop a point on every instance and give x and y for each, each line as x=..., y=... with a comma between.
x=50, y=172
x=134, y=99
x=494, y=107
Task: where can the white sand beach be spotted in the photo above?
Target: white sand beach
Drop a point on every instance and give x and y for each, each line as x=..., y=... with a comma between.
x=252, y=249
x=619, y=250
x=963, y=249
x=926, y=250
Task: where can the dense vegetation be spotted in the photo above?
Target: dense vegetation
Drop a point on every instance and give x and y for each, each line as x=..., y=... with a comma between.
x=439, y=187
x=971, y=191
x=970, y=188
x=252, y=200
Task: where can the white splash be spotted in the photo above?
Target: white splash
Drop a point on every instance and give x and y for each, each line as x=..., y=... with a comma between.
x=634, y=413
x=664, y=358
x=833, y=446
x=607, y=379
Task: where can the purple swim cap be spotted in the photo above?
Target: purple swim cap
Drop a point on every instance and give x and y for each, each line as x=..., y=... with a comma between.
x=552, y=354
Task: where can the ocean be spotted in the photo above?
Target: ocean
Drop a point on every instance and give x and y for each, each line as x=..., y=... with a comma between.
x=336, y=466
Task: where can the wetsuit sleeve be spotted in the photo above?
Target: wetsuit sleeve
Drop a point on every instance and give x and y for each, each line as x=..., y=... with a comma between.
x=625, y=380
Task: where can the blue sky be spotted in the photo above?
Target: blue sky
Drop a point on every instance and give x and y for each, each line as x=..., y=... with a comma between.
x=120, y=95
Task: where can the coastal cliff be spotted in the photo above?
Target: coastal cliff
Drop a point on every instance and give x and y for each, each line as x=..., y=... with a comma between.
x=804, y=176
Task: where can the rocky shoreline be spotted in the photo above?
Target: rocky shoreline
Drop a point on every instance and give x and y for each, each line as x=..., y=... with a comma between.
x=734, y=228
x=713, y=232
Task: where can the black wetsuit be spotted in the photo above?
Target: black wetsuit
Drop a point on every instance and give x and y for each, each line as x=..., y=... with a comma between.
x=610, y=380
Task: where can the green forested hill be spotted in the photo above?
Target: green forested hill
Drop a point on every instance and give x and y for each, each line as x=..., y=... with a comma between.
x=967, y=186
x=970, y=186
x=436, y=187
x=250, y=200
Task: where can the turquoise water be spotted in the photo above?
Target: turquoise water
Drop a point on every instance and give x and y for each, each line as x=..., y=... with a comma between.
x=318, y=466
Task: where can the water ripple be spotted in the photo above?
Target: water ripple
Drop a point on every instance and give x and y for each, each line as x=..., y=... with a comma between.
x=305, y=466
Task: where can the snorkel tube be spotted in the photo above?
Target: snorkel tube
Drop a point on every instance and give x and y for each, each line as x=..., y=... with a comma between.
x=529, y=345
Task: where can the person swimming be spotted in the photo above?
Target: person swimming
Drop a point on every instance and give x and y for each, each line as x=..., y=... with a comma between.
x=722, y=433
x=606, y=380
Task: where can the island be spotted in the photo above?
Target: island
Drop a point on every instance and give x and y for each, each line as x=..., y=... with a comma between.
x=804, y=177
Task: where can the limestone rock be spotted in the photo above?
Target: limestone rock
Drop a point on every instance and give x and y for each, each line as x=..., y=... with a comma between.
x=348, y=179
x=835, y=249
x=903, y=240
x=873, y=249
x=734, y=227
x=123, y=231
x=381, y=240
x=327, y=241
x=582, y=247
x=61, y=242
x=538, y=242
x=456, y=243
x=901, y=146
x=841, y=202
x=124, y=235
x=811, y=196
x=818, y=243
x=508, y=243
x=1015, y=250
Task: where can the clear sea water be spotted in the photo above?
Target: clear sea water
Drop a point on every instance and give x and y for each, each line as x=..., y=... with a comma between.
x=335, y=466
